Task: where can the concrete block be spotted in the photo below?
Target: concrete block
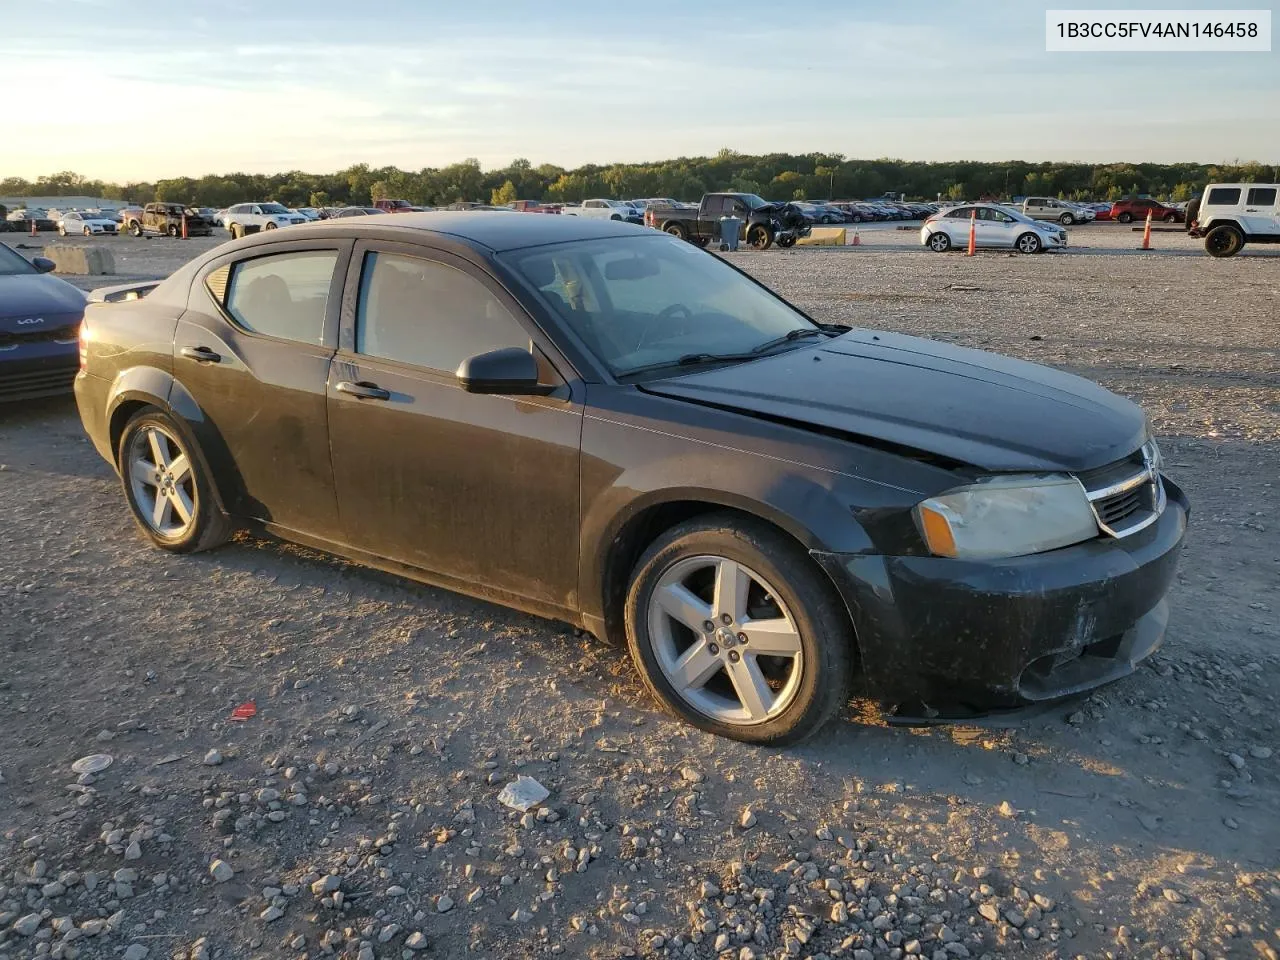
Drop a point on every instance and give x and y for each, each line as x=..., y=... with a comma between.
x=81, y=260
x=823, y=237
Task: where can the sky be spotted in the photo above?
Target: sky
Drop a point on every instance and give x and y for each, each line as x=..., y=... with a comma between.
x=144, y=89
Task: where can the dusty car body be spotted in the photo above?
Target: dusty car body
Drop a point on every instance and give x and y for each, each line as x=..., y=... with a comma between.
x=610, y=466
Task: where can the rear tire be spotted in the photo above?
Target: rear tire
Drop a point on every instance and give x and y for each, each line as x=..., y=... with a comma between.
x=677, y=230
x=1224, y=241
x=804, y=691
x=786, y=243
x=88, y=232
x=237, y=231
x=1170, y=217
x=151, y=430
x=62, y=231
x=1125, y=218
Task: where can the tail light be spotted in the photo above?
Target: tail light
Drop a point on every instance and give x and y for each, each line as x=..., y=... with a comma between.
x=84, y=344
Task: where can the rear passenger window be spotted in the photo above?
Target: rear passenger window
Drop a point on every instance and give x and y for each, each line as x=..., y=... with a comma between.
x=428, y=314
x=1262, y=197
x=285, y=295
x=1224, y=196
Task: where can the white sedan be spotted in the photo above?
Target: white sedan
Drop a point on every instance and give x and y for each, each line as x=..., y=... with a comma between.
x=994, y=226
x=89, y=224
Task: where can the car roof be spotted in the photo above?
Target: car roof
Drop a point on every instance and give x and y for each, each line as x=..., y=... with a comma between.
x=491, y=229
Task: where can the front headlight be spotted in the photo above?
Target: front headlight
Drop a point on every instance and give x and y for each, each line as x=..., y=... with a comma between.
x=1007, y=517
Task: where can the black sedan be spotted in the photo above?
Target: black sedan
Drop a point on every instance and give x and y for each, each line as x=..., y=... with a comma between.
x=601, y=424
x=39, y=325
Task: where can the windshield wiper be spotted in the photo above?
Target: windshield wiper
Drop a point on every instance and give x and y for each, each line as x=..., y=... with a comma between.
x=691, y=360
x=796, y=334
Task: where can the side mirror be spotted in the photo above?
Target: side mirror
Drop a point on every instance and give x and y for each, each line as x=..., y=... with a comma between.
x=43, y=264
x=512, y=371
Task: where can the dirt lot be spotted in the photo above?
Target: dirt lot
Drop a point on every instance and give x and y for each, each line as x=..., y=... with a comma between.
x=357, y=815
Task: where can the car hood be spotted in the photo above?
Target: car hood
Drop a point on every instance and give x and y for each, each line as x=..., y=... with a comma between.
x=36, y=295
x=978, y=408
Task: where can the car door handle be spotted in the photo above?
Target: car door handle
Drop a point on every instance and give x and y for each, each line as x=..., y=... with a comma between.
x=200, y=354
x=362, y=390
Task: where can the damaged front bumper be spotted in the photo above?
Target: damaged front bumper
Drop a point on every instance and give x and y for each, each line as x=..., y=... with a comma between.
x=1005, y=633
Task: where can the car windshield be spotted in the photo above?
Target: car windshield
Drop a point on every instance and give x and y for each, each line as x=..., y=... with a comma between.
x=272, y=208
x=641, y=303
x=12, y=263
x=754, y=201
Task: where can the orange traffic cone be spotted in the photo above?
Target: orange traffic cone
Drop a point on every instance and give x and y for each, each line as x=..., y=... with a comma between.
x=184, y=226
x=857, y=241
x=1146, y=234
x=973, y=234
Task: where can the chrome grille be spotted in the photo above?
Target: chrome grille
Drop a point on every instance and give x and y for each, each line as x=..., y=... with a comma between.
x=1126, y=496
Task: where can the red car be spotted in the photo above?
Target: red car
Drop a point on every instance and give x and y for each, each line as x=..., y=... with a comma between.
x=1126, y=211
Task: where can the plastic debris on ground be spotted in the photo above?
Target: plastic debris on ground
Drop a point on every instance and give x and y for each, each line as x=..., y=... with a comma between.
x=523, y=793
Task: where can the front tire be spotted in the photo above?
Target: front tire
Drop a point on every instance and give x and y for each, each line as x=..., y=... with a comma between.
x=88, y=232
x=1066, y=219
x=1125, y=218
x=135, y=228
x=939, y=242
x=237, y=231
x=1028, y=243
x=269, y=225
x=1224, y=241
x=786, y=243
x=760, y=237
x=1170, y=217
x=167, y=486
x=704, y=587
x=171, y=231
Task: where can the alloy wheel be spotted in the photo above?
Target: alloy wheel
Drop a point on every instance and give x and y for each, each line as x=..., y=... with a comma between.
x=162, y=482
x=724, y=640
x=939, y=242
x=1028, y=243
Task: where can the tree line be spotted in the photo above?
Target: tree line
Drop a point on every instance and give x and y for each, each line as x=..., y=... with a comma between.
x=775, y=176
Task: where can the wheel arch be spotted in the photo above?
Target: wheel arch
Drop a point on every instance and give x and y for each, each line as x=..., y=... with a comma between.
x=1221, y=222
x=608, y=571
x=138, y=388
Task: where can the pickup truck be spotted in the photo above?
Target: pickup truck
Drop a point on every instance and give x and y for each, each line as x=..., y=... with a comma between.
x=604, y=210
x=165, y=219
x=763, y=223
x=1047, y=208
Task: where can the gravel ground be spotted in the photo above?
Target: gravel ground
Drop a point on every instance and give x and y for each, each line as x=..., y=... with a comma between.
x=357, y=814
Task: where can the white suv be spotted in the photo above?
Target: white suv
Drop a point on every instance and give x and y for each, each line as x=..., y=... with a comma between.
x=244, y=218
x=1233, y=214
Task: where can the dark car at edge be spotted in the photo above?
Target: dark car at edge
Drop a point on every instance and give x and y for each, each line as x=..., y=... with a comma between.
x=599, y=424
x=39, y=325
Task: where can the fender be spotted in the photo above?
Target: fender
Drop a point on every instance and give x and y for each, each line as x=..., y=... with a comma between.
x=134, y=385
x=796, y=499
x=157, y=388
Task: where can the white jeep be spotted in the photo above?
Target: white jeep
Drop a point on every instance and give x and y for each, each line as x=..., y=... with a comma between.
x=1233, y=214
